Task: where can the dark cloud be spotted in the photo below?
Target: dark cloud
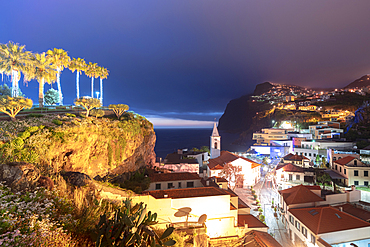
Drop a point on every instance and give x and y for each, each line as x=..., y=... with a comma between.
x=194, y=56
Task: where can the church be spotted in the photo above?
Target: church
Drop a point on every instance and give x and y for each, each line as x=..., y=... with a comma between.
x=239, y=171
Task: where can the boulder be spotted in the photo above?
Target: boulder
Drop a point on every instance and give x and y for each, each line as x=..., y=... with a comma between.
x=19, y=176
x=76, y=178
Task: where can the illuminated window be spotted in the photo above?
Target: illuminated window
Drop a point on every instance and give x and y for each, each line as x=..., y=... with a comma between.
x=157, y=186
x=297, y=225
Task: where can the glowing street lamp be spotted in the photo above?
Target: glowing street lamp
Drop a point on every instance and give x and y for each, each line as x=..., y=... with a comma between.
x=97, y=95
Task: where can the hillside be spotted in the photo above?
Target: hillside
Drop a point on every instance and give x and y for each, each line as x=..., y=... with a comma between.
x=364, y=81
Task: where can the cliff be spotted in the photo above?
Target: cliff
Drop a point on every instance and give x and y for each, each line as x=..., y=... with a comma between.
x=94, y=146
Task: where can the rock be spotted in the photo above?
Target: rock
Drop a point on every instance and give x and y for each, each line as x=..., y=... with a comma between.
x=45, y=182
x=76, y=178
x=19, y=176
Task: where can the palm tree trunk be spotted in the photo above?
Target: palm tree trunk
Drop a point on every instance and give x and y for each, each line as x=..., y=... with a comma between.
x=101, y=91
x=78, y=84
x=59, y=87
x=14, y=83
x=92, y=87
x=41, y=93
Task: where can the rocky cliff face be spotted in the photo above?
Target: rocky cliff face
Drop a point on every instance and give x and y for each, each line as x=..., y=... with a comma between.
x=90, y=146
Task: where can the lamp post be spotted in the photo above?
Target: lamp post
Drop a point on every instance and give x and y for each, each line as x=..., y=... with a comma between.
x=97, y=95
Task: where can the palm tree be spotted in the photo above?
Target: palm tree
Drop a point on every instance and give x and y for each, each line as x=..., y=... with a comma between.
x=59, y=60
x=42, y=72
x=103, y=74
x=14, y=59
x=79, y=65
x=92, y=71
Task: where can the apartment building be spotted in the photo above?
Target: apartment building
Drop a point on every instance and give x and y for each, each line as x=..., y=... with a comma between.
x=326, y=130
x=353, y=170
x=268, y=134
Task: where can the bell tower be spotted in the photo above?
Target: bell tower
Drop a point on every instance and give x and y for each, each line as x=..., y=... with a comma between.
x=215, y=144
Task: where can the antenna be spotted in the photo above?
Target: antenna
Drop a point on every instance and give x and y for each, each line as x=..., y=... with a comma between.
x=202, y=219
x=181, y=212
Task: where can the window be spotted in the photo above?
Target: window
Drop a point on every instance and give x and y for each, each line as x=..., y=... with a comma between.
x=169, y=185
x=355, y=162
x=305, y=154
x=366, y=173
x=215, y=145
x=304, y=231
x=336, y=167
x=291, y=219
x=282, y=175
x=345, y=171
x=298, y=177
x=179, y=184
x=340, y=169
x=356, y=173
x=366, y=183
x=157, y=186
x=297, y=225
x=356, y=182
x=309, y=154
x=314, y=155
x=290, y=177
x=190, y=184
x=313, y=239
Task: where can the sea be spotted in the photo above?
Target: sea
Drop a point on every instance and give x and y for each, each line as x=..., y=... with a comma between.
x=170, y=140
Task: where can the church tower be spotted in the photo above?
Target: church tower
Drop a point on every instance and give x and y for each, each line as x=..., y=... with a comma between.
x=215, y=143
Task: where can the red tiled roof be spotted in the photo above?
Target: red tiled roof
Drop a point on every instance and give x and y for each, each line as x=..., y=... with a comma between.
x=299, y=194
x=357, y=212
x=344, y=160
x=324, y=243
x=295, y=157
x=174, y=176
x=227, y=157
x=232, y=207
x=290, y=168
x=242, y=204
x=327, y=219
x=256, y=238
x=313, y=187
x=251, y=220
x=188, y=192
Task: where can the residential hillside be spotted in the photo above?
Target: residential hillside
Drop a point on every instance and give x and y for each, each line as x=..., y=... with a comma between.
x=364, y=81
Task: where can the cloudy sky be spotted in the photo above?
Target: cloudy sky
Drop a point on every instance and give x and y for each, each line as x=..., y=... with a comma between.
x=187, y=59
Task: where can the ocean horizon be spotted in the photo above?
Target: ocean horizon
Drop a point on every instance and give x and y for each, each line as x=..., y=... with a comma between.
x=169, y=140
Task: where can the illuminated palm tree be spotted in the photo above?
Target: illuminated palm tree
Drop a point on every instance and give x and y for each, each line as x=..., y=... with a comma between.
x=79, y=65
x=103, y=74
x=14, y=59
x=59, y=60
x=42, y=72
x=92, y=71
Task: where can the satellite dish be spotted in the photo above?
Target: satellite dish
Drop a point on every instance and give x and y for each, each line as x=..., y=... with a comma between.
x=202, y=219
x=181, y=212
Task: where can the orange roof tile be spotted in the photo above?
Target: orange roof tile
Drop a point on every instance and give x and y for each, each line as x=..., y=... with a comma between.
x=295, y=157
x=256, y=238
x=357, y=212
x=290, y=168
x=175, y=176
x=242, y=204
x=299, y=194
x=344, y=160
x=227, y=157
x=251, y=220
x=188, y=192
x=327, y=219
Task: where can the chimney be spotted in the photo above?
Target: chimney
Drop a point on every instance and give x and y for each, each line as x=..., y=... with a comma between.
x=341, y=209
x=207, y=183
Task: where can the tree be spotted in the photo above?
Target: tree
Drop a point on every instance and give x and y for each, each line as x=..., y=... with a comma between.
x=103, y=74
x=51, y=97
x=6, y=91
x=92, y=71
x=12, y=106
x=59, y=60
x=97, y=113
x=88, y=104
x=79, y=65
x=42, y=72
x=118, y=109
x=323, y=178
x=14, y=59
x=233, y=174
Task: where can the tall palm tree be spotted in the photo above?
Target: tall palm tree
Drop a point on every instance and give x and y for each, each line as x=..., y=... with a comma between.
x=92, y=71
x=79, y=65
x=103, y=74
x=14, y=59
x=42, y=72
x=59, y=60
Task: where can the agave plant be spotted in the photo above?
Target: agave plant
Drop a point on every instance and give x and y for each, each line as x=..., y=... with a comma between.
x=131, y=226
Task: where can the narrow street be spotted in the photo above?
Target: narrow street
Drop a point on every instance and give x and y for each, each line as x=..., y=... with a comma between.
x=266, y=193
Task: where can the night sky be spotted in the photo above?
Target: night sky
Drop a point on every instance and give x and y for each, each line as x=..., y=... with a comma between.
x=187, y=59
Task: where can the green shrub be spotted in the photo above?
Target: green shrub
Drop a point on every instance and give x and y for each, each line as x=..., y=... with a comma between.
x=40, y=108
x=35, y=115
x=97, y=113
x=57, y=122
x=70, y=115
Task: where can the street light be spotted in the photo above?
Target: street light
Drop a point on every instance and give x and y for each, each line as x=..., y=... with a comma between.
x=97, y=95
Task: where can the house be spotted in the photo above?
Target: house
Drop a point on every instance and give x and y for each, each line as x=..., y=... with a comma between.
x=176, y=180
x=365, y=154
x=355, y=172
x=327, y=226
x=307, y=108
x=249, y=174
x=288, y=172
x=354, y=210
x=326, y=130
x=180, y=161
x=183, y=208
x=295, y=159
